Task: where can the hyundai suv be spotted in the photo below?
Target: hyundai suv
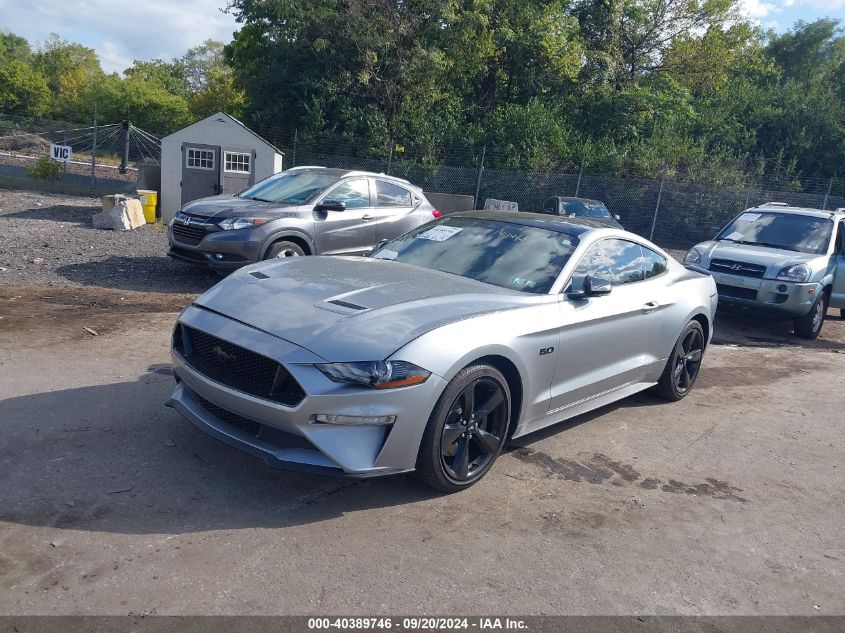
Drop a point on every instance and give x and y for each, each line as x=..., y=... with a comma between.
x=301, y=211
x=782, y=260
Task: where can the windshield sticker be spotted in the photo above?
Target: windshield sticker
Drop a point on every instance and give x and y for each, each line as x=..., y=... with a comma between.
x=386, y=253
x=439, y=233
x=749, y=217
x=735, y=236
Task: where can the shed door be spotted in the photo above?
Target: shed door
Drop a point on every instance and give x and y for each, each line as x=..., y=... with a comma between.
x=200, y=171
x=237, y=170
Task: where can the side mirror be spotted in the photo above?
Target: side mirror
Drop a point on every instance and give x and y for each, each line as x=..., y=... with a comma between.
x=616, y=217
x=378, y=247
x=589, y=287
x=331, y=205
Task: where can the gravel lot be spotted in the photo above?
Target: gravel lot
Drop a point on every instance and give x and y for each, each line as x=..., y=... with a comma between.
x=57, y=229
x=728, y=502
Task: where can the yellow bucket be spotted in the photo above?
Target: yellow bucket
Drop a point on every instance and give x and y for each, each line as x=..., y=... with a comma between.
x=149, y=200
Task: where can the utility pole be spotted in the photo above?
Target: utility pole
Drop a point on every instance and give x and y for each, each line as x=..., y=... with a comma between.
x=127, y=127
x=827, y=195
x=94, y=155
x=480, y=172
x=295, y=140
x=580, y=173
x=657, y=206
x=390, y=158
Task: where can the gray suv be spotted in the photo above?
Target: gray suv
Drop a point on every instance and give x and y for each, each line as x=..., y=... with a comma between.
x=782, y=260
x=301, y=211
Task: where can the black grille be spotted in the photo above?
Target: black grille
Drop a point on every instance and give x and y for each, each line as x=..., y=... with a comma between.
x=240, y=368
x=743, y=269
x=188, y=234
x=736, y=292
x=268, y=434
x=232, y=419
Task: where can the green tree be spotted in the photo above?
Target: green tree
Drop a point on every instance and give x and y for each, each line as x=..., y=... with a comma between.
x=23, y=90
x=14, y=47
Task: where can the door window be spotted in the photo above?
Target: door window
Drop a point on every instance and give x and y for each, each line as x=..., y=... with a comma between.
x=550, y=206
x=236, y=162
x=199, y=158
x=618, y=261
x=354, y=193
x=390, y=195
x=654, y=264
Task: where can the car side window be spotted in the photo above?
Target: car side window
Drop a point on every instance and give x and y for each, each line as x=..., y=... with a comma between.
x=654, y=264
x=840, y=240
x=390, y=195
x=617, y=261
x=550, y=206
x=354, y=193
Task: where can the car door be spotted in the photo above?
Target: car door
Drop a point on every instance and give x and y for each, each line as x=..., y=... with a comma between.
x=837, y=296
x=608, y=342
x=347, y=232
x=394, y=212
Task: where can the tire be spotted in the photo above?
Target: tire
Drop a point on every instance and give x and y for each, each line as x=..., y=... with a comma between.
x=810, y=325
x=684, y=363
x=452, y=466
x=284, y=249
x=842, y=313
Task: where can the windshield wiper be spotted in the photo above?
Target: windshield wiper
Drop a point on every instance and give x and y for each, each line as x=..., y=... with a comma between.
x=763, y=244
x=259, y=199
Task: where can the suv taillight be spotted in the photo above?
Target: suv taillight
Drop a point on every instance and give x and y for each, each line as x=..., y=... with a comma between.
x=435, y=213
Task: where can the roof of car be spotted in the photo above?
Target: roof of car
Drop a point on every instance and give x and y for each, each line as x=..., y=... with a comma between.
x=344, y=173
x=574, y=199
x=784, y=208
x=561, y=224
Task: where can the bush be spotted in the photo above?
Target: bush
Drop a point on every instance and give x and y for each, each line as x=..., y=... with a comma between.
x=45, y=169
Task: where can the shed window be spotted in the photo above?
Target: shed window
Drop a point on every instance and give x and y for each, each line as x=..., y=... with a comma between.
x=199, y=158
x=236, y=162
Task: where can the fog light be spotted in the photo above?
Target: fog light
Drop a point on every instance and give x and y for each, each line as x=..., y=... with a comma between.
x=355, y=420
x=218, y=255
x=781, y=288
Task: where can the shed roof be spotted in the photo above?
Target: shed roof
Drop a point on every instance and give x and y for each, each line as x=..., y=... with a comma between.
x=217, y=116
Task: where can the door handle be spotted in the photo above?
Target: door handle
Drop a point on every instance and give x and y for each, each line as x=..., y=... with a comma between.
x=367, y=218
x=651, y=306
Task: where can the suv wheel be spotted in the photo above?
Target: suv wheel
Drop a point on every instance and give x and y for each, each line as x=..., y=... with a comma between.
x=810, y=325
x=284, y=249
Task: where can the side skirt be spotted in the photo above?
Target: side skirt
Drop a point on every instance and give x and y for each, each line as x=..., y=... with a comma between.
x=579, y=408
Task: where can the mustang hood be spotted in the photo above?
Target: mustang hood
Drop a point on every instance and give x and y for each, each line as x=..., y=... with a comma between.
x=351, y=308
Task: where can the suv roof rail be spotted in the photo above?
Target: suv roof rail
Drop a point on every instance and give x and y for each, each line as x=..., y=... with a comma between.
x=773, y=204
x=372, y=173
x=305, y=167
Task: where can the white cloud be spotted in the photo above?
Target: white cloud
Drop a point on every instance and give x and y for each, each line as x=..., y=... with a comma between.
x=758, y=9
x=121, y=30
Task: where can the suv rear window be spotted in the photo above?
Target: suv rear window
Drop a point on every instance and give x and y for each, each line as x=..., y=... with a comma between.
x=390, y=195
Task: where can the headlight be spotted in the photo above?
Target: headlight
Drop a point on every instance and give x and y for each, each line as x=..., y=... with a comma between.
x=231, y=224
x=797, y=272
x=693, y=256
x=380, y=374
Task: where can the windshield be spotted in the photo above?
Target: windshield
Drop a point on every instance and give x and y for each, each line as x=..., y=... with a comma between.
x=585, y=209
x=499, y=253
x=790, y=231
x=289, y=187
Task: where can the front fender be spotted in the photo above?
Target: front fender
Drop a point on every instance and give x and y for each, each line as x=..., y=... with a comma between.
x=280, y=234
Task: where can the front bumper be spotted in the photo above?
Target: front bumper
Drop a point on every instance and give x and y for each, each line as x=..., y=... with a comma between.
x=286, y=436
x=786, y=298
x=215, y=249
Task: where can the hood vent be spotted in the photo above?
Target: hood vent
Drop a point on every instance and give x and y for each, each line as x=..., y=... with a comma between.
x=259, y=275
x=346, y=304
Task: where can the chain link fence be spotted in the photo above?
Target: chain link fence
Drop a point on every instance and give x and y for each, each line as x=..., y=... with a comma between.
x=673, y=211
x=106, y=158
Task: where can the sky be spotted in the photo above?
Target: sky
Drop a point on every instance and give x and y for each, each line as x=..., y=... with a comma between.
x=123, y=30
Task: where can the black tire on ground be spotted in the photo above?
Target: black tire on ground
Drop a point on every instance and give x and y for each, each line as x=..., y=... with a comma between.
x=842, y=313
x=457, y=449
x=683, y=365
x=810, y=325
x=284, y=249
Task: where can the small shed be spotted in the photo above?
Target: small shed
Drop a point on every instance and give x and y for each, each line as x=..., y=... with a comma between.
x=216, y=155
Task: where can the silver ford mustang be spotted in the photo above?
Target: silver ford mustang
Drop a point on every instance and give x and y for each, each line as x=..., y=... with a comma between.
x=427, y=357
